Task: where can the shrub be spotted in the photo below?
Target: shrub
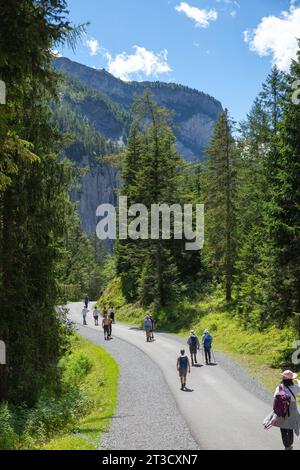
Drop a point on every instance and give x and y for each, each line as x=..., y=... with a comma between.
x=8, y=437
x=75, y=368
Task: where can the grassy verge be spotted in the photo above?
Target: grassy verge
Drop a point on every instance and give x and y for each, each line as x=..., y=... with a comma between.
x=74, y=418
x=100, y=387
x=264, y=354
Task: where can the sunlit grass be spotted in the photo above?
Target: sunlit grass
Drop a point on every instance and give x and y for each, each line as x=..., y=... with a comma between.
x=101, y=387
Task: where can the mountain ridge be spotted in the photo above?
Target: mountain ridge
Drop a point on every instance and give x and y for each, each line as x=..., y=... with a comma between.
x=95, y=106
x=195, y=112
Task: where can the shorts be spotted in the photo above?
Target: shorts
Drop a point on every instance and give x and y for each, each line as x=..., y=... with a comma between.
x=182, y=372
x=193, y=350
x=106, y=328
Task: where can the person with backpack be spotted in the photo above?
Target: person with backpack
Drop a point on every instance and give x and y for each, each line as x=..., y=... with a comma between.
x=194, y=345
x=96, y=315
x=207, y=340
x=112, y=314
x=183, y=367
x=104, y=312
x=148, y=327
x=106, y=325
x=285, y=414
x=152, y=327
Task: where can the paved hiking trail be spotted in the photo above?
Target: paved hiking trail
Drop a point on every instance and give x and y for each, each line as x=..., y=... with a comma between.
x=224, y=408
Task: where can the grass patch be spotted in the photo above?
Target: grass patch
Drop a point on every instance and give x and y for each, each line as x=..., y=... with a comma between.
x=74, y=418
x=100, y=386
x=263, y=353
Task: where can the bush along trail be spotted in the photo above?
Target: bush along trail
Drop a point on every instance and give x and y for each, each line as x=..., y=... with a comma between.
x=75, y=416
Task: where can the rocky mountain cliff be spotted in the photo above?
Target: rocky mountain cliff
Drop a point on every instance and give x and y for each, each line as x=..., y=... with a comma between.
x=95, y=108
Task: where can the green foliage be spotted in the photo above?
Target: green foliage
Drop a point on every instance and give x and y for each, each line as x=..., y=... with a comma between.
x=219, y=187
x=84, y=374
x=75, y=367
x=152, y=271
x=78, y=271
x=34, y=203
x=71, y=116
x=8, y=436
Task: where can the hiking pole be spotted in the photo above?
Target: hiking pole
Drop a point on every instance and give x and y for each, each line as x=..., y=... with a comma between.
x=213, y=355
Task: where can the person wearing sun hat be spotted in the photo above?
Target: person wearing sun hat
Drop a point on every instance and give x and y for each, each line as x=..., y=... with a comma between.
x=291, y=423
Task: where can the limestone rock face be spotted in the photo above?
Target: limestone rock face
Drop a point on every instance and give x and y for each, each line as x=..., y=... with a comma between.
x=98, y=186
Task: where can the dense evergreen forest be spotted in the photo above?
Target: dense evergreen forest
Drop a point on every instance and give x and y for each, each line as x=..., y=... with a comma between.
x=45, y=258
x=249, y=183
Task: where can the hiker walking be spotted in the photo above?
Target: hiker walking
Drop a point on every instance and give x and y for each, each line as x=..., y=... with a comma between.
x=183, y=367
x=96, y=315
x=112, y=314
x=84, y=312
x=147, y=327
x=112, y=317
x=106, y=323
x=285, y=413
x=207, y=340
x=104, y=312
x=152, y=327
x=86, y=301
x=194, y=345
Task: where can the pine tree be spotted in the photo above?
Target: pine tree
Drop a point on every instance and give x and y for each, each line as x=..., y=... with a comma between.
x=33, y=198
x=219, y=186
x=150, y=177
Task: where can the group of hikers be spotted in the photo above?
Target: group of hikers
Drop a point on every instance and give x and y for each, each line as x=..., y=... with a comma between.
x=183, y=362
x=108, y=318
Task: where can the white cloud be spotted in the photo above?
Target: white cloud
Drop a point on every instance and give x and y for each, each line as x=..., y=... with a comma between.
x=56, y=53
x=142, y=61
x=201, y=17
x=277, y=37
x=93, y=46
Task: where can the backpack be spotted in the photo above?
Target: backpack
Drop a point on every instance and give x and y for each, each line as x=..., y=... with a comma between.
x=193, y=341
x=282, y=402
x=207, y=341
x=183, y=362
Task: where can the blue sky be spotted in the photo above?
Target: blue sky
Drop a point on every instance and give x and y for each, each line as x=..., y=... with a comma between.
x=223, y=47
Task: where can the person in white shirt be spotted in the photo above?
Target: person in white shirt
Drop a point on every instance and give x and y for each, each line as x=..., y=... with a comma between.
x=85, y=311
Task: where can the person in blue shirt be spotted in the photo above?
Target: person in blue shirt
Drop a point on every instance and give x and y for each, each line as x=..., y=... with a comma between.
x=183, y=367
x=148, y=327
x=207, y=340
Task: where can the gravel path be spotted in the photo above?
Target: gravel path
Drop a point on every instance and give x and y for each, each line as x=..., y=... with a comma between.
x=147, y=416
